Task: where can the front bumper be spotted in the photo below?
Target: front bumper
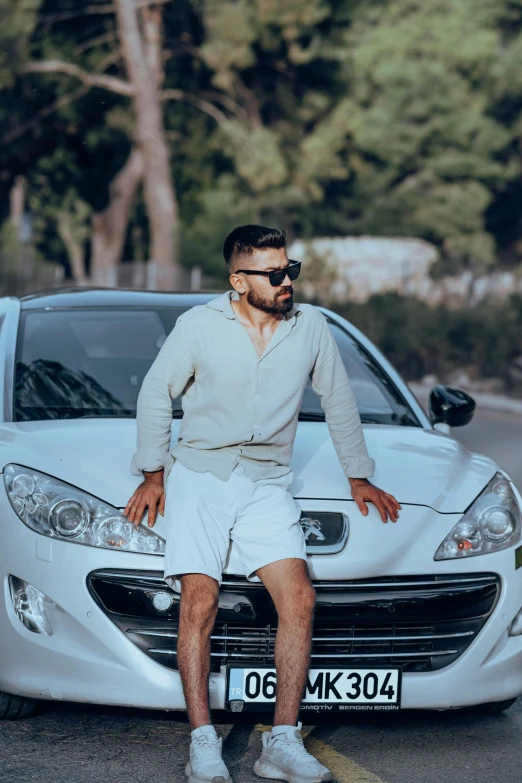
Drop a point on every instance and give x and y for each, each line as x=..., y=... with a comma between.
x=90, y=659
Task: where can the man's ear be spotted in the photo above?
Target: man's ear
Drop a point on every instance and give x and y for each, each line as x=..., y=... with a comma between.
x=237, y=283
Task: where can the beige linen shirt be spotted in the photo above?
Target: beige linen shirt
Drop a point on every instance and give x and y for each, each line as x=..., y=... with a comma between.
x=238, y=407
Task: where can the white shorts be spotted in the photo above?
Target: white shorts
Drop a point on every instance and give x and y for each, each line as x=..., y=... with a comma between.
x=204, y=514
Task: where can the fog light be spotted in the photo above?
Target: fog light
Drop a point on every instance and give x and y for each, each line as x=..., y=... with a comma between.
x=30, y=605
x=516, y=625
x=162, y=601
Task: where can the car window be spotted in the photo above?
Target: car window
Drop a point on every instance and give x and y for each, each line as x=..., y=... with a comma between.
x=378, y=399
x=92, y=361
x=87, y=362
x=120, y=335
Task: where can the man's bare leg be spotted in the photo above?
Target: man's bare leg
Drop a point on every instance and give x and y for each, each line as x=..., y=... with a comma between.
x=294, y=597
x=197, y=613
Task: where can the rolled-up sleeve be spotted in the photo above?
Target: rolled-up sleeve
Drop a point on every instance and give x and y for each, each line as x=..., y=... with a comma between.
x=330, y=382
x=165, y=380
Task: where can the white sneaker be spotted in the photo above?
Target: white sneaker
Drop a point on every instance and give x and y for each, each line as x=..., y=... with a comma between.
x=284, y=757
x=206, y=764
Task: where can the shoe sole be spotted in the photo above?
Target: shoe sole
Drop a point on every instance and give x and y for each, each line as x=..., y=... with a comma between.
x=263, y=769
x=196, y=779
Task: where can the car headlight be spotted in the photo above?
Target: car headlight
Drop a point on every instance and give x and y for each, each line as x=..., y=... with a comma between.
x=58, y=510
x=490, y=524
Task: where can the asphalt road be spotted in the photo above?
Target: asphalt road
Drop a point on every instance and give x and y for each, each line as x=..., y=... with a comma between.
x=68, y=743
x=499, y=435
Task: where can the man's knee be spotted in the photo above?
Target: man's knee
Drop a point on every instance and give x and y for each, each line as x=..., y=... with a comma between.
x=306, y=598
x=199, y=600
x=299, y=602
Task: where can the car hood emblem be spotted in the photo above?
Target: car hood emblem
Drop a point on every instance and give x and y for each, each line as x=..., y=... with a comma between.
x=311, y=528
x=325, y=532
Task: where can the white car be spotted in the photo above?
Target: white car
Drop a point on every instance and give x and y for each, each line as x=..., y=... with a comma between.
x=423, y=613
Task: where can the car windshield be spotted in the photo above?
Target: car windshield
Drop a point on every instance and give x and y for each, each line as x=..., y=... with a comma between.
x=91, y=362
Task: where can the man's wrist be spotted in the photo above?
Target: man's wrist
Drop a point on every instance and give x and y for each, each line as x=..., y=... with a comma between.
x=154, y=475
x=357, y=481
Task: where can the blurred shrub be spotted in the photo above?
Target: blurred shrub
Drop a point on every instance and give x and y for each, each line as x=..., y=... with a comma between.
x=485, y=340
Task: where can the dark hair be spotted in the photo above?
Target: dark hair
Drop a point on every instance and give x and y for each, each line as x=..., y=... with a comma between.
x=243, y=240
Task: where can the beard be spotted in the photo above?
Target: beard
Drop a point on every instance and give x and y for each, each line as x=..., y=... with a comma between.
x=278, y=305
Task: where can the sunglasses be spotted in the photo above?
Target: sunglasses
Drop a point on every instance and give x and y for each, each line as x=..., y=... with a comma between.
x=276, y=276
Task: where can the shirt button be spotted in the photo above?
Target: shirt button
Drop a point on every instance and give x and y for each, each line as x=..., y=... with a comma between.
x=255, y=426
x=256, y=397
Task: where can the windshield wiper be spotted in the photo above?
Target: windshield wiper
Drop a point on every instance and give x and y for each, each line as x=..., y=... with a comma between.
x=365, y=419
x=311, y=416
x=119, y=415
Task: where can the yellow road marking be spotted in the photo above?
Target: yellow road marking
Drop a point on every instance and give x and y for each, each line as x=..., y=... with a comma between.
x=342, y=768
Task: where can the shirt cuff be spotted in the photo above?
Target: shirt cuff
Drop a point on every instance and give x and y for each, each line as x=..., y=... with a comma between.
x=358, y=467
x=148, y=460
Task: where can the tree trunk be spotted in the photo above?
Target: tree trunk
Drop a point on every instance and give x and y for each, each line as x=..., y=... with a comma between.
x=109, y=228
x=16, y=198
x=74, y=248
x=160, y=197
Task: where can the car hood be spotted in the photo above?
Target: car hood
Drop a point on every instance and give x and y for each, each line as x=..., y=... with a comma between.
x=417, y=466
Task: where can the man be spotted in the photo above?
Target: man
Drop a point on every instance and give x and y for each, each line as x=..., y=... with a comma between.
x=242, y=363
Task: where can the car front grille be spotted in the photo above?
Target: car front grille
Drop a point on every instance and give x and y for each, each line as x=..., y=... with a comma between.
x=418, y=623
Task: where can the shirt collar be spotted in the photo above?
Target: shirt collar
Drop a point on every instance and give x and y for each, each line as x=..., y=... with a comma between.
x=222, y=303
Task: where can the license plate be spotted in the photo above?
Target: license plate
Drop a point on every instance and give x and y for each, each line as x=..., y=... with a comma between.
x=326, y=689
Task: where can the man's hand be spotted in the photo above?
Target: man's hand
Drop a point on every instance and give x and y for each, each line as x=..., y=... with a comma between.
x=362, y=490
x=150, y=494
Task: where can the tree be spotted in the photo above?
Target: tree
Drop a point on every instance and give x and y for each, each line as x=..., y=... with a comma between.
x=142, y=53
x=141, y=49
x=276, y=75
x=430, y=154
x=323, y=116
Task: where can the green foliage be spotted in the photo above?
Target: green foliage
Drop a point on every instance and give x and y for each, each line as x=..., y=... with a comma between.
x=258, y=159
x=18, y=18
x=327, y=117
x=278, y=65
x=420, y=340
x=202, y=240
x=9, y=249
x=21, y=267
x=432, y=155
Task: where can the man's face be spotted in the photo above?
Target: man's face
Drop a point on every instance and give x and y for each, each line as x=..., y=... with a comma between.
x=258, y=289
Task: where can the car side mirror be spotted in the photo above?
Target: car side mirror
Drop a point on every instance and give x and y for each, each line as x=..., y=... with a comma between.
x=451, y=406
